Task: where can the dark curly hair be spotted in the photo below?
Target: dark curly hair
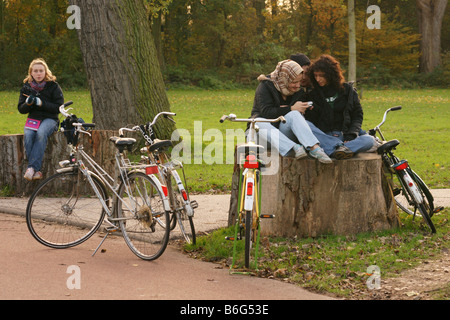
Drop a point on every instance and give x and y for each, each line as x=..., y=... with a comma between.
x=332, y=69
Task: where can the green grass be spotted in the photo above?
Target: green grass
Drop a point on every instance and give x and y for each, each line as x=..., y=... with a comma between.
x=422, y=127
x=335, y=264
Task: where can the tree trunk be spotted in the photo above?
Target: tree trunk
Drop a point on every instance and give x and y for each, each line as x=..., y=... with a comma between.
x=310, y=199
x=351, y=41
x=13, y=162
x=430, y=14
x=122, y=66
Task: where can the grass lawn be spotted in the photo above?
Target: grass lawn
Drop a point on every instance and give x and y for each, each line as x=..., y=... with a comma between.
x=422, y=127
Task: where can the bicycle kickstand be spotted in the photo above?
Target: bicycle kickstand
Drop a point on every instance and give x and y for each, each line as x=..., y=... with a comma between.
x=108, y=230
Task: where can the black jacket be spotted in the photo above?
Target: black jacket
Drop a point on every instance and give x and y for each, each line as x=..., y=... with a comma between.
x=268, y=102
x=346, y=116
x=51, y=96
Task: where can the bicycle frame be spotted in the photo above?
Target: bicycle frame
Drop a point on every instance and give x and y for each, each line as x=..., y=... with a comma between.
x=122, y=165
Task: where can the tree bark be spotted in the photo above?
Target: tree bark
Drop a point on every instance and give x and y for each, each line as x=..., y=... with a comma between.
x=430, y=14
x=351, y=41
x=13, y=162
x=310, y=199
x=122, y=66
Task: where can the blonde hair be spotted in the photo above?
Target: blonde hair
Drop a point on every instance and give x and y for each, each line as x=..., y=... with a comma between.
x=48, y=74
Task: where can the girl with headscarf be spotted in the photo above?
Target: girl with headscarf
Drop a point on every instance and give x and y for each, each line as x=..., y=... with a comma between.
x=277, y=95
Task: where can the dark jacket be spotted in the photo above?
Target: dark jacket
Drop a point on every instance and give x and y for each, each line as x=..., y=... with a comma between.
x=268, y=102
x=346, y=114
x=51, y=96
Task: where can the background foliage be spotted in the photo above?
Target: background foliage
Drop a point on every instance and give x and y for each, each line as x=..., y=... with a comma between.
x=222, y=44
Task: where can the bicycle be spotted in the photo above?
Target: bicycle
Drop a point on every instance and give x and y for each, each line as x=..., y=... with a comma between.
x=249, y=201
x=155, y=152
x=67, y=208
x=409, y=190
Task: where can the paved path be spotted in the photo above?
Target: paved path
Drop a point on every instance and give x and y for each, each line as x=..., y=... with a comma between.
x=29, y=270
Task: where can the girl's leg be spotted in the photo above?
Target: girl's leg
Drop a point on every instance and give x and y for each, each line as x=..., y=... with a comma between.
x=268, y=134
x=296, y=128
x=361, y=143
x=39, y=143
x=328, y=142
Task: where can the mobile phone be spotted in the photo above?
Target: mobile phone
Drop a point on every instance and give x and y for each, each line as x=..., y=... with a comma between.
x=310, y=105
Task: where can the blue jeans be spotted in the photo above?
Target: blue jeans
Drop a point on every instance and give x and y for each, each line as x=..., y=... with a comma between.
x=329, y=141
x=36, y=142
x=295, y=131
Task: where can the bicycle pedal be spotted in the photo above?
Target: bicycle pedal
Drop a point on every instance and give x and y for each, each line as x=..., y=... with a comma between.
x=438, y=209
x=111, y=229
x=194, y=204
x=267, y=216
x=396, y=191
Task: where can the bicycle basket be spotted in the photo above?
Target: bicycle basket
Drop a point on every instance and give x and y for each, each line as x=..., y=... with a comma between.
x=69, y=130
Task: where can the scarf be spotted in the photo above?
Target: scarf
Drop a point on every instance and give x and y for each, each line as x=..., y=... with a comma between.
x=38, y=87
x=285, y=73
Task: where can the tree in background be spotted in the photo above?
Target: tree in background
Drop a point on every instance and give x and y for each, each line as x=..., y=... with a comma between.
x=431, y=15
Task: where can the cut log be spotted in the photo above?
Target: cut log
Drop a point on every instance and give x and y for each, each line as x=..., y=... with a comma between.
x=13, y=162
x=310, y=199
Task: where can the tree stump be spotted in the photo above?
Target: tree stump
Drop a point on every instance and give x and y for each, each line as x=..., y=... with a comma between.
x=13, y=163
x=311, y=199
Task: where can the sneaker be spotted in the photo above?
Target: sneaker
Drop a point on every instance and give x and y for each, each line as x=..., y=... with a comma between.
x=342, y=152
x=37, y=175
x=29, y=174
x=300, y=152
x=320, y=155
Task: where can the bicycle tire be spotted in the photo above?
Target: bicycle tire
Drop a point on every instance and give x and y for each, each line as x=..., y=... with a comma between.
x=64, y=210
x=248, y=237
x=145, y=227
x=426, y=207
x=185, y=222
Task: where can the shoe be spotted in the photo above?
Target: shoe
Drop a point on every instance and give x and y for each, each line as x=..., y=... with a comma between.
x=300, y=152
x=342, y=152
x=29, y=174
x=320, y=155
x=38, y=175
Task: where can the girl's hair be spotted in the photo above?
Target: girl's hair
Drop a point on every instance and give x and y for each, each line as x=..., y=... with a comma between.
x=48, y=74
x=332, y=70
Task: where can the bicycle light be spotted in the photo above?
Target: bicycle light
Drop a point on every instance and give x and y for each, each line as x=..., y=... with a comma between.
x=402, y=165
x=251, y=162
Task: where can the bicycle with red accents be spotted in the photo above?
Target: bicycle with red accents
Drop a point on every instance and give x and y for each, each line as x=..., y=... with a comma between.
x=177, y=200
x=247, y=225
x=410, y=192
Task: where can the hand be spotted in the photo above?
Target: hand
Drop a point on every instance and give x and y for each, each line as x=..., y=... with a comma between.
x=30, y=100
x=301, y=106
x=38, y=102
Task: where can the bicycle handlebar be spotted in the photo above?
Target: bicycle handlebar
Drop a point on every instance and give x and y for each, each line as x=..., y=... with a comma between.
x=166, y=115
x=232, y=117
x=62, y=108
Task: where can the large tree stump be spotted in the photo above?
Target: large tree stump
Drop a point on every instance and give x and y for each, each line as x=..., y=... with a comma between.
x=311, y=199
x=13, y=162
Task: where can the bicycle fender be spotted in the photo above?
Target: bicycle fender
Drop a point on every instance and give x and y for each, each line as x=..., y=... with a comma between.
x=249, y=193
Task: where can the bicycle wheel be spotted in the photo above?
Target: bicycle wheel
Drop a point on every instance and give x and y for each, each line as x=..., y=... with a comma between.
x=142, y=218
x=64, y=210
x=248, y=237
x=185, y=222
x=406, y=202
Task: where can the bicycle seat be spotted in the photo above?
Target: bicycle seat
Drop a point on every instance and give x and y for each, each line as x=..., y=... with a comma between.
x=121, y=143
x=160, y=144
x=388, y=146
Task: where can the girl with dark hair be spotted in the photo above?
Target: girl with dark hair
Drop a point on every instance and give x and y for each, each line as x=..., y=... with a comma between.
x=336, y=111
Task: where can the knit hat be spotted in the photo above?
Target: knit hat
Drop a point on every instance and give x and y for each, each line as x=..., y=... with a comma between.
x=301, y=59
